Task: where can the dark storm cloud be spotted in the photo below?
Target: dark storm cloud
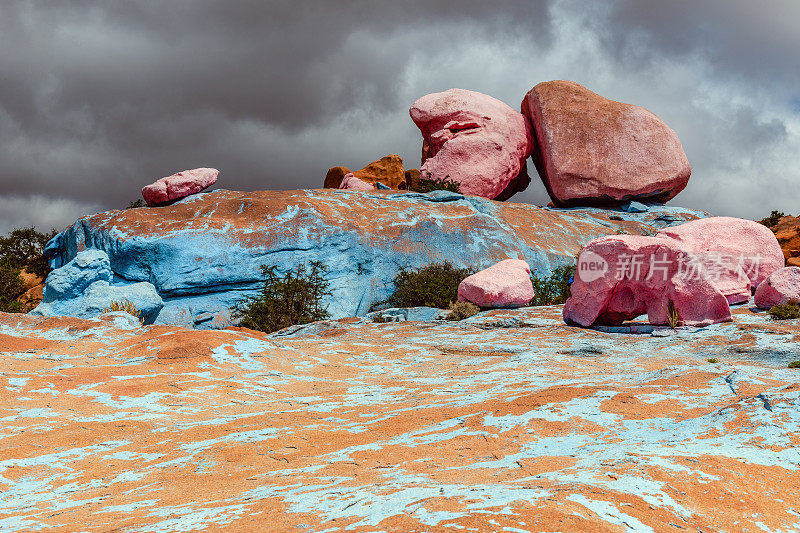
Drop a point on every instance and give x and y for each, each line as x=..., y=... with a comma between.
x=97, y=99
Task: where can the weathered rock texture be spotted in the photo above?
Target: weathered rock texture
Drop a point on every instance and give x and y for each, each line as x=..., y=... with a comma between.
x=783, y=286
x=473, y=139
x=506, y=284
x=204, y=253
x=748, y=243
x=593, y=151
x=387, y=170
x=398, y=427
x=637, y=275
x=179, y=186
x=351, y=182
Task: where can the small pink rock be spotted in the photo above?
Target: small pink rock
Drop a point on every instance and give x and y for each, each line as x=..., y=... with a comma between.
x=506, y=284
x=474, y=139
x=782, y=287
x=620, y=277
x=748, y=243
x=351, y=182
x=179, y=186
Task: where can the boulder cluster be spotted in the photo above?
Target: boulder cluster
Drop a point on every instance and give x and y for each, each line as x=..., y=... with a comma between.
x=588, y=150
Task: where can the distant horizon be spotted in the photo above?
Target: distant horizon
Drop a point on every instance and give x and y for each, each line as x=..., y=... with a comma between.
x=97, y=101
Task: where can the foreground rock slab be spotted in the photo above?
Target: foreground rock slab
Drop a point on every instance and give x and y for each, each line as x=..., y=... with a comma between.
x=508, y=420
x=593, y=151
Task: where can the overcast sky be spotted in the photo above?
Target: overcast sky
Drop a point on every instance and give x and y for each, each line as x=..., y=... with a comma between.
x=98, y=99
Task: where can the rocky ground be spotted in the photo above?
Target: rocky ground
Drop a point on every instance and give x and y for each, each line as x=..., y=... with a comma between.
x=510, y=421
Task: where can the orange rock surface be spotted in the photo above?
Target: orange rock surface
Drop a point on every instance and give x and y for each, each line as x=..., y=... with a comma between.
x=387, y=170
x=507, y=421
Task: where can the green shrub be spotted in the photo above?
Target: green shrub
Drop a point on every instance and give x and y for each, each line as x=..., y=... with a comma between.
x=553, y=289
x=11, y=288
x=712, y=360
x=295, y=298
x=785, y=311
x=772, y=220
x=434, y=285
x=462, y=310
x=428, y=183
x=137, y=203
x=23, y=248
x=794, y=364
x=673, y=316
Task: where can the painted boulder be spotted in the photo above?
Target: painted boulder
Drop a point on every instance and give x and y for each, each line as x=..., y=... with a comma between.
x=506, y=284
x=473, y=139
x=621, y=277
x=85, y=287
x=593, y=151
x=781, y=287
x=387, y=170
x=724, y=239
x=178, y=186
x=351, y=182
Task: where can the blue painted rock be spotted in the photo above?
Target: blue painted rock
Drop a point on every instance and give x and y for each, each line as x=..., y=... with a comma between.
x=83, y=288
x=204, y=253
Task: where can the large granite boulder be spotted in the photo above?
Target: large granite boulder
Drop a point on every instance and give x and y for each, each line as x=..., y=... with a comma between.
x=621, y=277
x=506, y=284
x=473, y=139
x=203, y=253
x=179, y=185
x=387, y=170
x=781, y=287
x=85, y=287
x=593, y=151
x=725, y=240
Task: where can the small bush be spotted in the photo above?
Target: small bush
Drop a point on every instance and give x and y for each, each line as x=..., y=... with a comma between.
x=794, y=364
x=712, y=360
x=428, y=183
x=772, y=220
x=785, y=311
x=462, y=310
x=434, y=285
x=553, y=289
x=673, y=316
x=23, y=248
x=11, y=288
x=295, y=298
x=126, y=306
x=136, y=204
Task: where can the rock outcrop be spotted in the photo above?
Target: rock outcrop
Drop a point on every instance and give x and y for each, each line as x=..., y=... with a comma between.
x=352, y=425
x=725, y=240
x=593, y=151
x=82, y=288
x=473, y=139
x=178, y=186
x=506, y=284
x=621, y=277
x=781, y=287
x=787, y=231
x=204, y=253
x=387, y=170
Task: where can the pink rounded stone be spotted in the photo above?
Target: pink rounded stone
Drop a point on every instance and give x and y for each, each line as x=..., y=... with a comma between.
x=750, y=244
x=593, y=151
x=782, y=287
x=179, y=186
x=620, y=277
x=506, y=284
x=351, y=182
x=474, y=139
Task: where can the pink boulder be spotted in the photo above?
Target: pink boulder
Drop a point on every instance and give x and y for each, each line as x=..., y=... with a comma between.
x=351, y=182
x=750, y=244
x=782, y=287
x=620, y=277
x=473, y=139
x=593, y=151
x=506, y=284
x=179, y=186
